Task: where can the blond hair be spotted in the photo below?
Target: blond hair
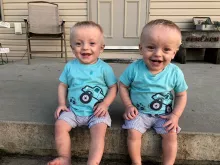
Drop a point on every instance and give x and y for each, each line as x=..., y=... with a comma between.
x=162, y=22
x=85, y=24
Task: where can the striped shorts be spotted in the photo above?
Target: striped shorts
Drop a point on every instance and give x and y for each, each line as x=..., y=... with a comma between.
x=142, y=122
x=76, y=121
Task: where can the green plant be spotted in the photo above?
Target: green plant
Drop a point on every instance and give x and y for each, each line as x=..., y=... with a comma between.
x=217, y=25
x=207, y=22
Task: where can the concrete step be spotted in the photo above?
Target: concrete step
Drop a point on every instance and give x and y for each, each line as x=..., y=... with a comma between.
x=28, y=98
x=43, y=160
x=38, y=139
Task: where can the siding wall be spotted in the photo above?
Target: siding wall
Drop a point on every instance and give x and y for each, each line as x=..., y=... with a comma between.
x=16, y=10
x=182, y=11
x=179, y=11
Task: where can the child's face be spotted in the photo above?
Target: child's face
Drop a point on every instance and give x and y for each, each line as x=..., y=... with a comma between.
x=158, y=47
x=87, y=44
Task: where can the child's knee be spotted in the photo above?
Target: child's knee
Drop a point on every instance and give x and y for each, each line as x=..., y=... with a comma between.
x=170, y=136
x=62, y=126
x=134, y=134
x=93, y=162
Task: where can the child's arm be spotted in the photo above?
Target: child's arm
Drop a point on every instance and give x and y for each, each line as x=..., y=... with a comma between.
x=179, y=106
x=180, y=103
x=101, y=109
x=130, y=110
x=62, y=91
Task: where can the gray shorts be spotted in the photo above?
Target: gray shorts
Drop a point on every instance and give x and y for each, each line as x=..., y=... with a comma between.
x=142, y=122
x=73, y=120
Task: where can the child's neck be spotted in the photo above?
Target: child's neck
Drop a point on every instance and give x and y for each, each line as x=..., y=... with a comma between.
x=153, y=72
x=88, y=63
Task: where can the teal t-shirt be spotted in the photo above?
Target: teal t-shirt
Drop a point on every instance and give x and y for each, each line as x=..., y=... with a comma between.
x=152, y=94
x=87, y=84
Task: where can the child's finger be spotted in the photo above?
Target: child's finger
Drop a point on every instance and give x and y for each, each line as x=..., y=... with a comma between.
x=60, y=111
x=102, y=114
x=132, y=113
x=167, y=123
x=106, y=113
x=170, y=127
x=125, y=116
x=67, y=109
x=57, y=113
x=136, y=112
x=163, y=117
x=130, y=116
x=94, y=108
x=97, y=112
x=173, y=130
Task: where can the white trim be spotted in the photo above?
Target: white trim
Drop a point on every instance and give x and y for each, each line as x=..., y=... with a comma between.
x=125, y=18
x=111, y=21
x=89, y=5
x=4, y=50
x=4, y=24
x=122, y=47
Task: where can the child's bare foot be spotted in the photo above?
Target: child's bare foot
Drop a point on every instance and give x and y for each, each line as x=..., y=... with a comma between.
x=136, y=164
x=60, y=161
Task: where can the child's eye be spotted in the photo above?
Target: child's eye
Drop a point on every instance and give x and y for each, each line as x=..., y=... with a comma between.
x=150, y=47
x=77, y=43
x=92, y=43
x=167, y=49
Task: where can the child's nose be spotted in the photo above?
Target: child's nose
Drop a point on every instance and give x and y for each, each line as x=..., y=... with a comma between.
x=85, y=46
x=158, y=52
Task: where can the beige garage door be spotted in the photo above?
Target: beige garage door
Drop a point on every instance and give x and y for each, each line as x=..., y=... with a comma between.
x=122, y=20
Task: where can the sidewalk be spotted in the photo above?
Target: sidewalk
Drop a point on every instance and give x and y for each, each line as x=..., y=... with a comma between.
x=39, y=160
x=28, y=98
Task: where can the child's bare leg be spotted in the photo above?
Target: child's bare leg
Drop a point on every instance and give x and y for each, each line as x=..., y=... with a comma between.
x=97, y=143
x=63, y=144
x=169, y=146
x=134, y=146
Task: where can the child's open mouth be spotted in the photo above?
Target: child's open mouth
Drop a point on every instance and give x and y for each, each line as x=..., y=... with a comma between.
x=156, y=61
x=85, y=54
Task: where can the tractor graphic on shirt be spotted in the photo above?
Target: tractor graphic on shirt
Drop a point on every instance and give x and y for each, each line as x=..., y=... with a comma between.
x=161, y=100
x=91, y=92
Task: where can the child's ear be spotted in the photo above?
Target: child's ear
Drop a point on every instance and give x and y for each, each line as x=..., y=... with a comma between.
x=71, y=47
x=140, y=49
x=174, y=53
x=102, y=48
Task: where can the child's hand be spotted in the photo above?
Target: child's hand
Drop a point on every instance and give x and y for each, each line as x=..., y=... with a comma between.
x=130, y=112
x=172, y=122
x=101, y=109
x=59, y=109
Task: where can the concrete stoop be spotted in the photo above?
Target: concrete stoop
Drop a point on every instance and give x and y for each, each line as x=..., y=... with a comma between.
x=38, y=139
